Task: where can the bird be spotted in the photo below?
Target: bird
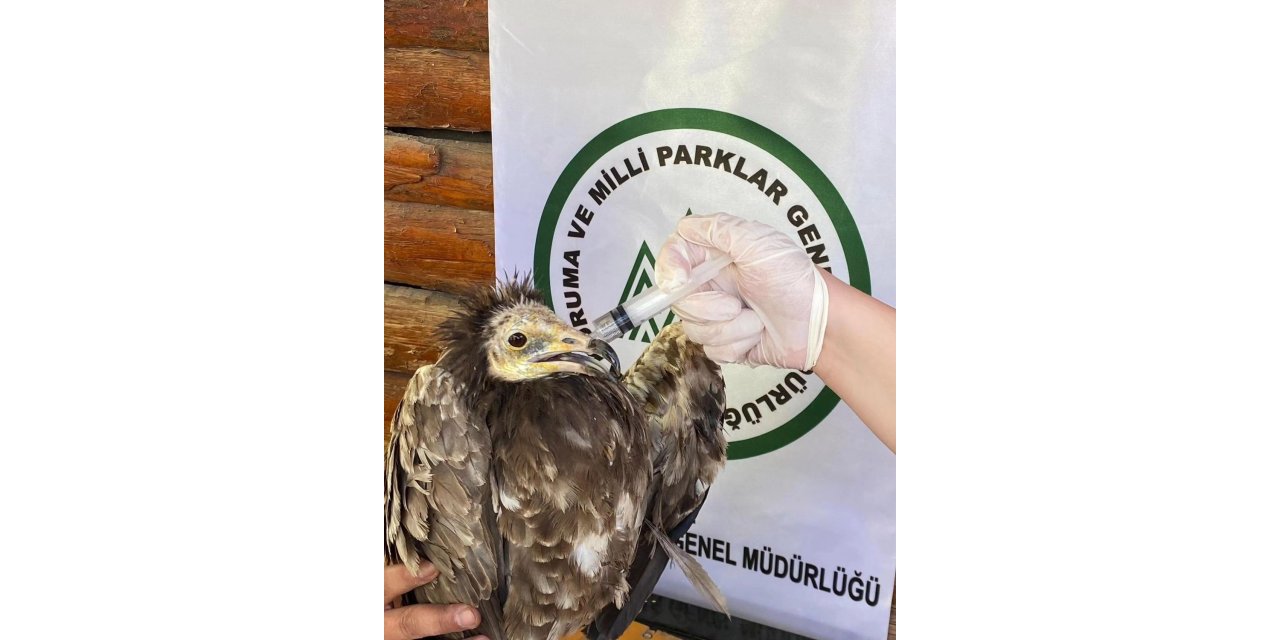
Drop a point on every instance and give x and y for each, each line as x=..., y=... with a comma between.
x=683, y=397
x=528, y=469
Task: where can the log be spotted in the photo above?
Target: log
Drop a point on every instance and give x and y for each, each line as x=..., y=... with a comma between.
x=407, y=160
x=393, y=385
x=435, y=247
x=410, y=316
x=893, y=614
x=445, y=24
x=436, y=89
x=451, y=277
x=436, y=171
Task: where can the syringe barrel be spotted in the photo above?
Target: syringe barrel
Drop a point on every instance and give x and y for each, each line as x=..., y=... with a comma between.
x=648, y=304
x=627, y=315
x=607, y=326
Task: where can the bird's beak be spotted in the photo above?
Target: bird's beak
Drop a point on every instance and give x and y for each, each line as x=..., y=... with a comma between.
x=577, y=347
x=606, y=352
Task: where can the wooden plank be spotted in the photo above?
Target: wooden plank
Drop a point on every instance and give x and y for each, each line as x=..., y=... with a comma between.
x=893, y=614
x=410, y=316
x=407, y=160
x=436, y=89
x=451, y=277
x=436, y=171
x=446, y=24
x=435, y=247
x=393, y=385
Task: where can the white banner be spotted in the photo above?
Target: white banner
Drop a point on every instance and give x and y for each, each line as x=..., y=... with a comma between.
x=611, y=121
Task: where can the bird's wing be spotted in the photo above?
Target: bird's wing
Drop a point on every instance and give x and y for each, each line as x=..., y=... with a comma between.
x=437, y=496
x=681, y=392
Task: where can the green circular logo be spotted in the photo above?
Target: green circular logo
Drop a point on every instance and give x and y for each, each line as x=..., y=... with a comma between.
x=572, y=220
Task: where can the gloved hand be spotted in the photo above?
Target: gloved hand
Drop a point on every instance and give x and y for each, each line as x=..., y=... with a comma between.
x=768, y=307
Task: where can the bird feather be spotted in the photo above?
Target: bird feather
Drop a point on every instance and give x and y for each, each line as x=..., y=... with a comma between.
x=692, y=570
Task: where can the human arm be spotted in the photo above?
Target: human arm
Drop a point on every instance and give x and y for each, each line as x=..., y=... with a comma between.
x=859, y=357
x=420, y=620
x=772, y=306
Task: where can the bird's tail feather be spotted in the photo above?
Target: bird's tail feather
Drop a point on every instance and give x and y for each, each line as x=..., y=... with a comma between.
x=692, y=570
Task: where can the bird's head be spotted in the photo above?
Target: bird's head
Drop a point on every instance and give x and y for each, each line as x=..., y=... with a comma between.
x=520, y=339
x=527, y=341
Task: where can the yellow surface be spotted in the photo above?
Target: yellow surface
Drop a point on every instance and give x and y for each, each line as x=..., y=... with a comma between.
x=636, y=631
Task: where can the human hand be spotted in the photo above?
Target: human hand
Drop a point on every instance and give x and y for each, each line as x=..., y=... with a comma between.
x=420, y=620
x=768, y=307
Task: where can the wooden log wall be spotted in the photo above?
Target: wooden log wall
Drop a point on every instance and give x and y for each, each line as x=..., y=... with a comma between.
x=438, y=176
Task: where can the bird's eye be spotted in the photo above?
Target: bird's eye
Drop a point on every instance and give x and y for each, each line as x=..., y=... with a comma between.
x=517, y=340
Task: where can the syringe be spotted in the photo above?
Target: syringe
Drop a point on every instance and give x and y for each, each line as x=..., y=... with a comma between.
x=627, y=315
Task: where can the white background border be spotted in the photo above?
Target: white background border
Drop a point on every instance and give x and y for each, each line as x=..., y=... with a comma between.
x=191, y=248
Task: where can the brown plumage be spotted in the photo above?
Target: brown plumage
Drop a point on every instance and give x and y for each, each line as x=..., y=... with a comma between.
x=682, y=394
x=524, y=470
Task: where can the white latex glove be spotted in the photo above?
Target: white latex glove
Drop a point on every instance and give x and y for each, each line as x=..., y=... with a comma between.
x=768, y=307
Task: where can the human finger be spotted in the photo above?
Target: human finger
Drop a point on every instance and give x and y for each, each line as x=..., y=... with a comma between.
x=732, y=353
x=707, y=307
x=745, y=326
x=397, y=580
x=724, y=232
x=420, y=620
x=676, y=261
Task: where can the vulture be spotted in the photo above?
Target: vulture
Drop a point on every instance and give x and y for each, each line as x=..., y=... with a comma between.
x=544, y=485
